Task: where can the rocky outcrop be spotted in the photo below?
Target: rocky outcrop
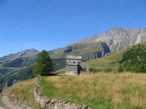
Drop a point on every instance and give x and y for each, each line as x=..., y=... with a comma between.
x=118, y=38
x=106, y=49
x=53, y=103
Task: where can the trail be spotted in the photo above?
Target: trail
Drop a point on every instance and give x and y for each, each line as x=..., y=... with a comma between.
x=6, y=102
x=1, y=107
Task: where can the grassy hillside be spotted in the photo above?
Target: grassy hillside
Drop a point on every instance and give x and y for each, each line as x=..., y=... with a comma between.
x=23, y=92
x=107, y=63
x=13, y=75
x=100, y=91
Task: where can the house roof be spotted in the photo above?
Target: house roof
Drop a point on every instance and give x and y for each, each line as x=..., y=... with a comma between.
x=73, y=57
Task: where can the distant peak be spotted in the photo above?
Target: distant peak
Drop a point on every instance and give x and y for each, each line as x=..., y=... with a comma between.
x=120, y=28
x=28, y=52
x=116, y=29
x=31, y=50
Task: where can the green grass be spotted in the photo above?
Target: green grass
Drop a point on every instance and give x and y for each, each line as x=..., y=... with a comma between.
x=107, y=63
x=100, y=91
x=60, y=71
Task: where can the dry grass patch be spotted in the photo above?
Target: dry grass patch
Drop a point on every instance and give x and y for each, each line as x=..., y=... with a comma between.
x=23, y=92
x=101, y=90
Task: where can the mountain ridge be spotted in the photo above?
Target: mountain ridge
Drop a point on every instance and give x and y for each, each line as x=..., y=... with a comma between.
x=107, y=37
x=115, y=36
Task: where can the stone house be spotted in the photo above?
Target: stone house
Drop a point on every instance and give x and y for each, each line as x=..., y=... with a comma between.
x=74, y=65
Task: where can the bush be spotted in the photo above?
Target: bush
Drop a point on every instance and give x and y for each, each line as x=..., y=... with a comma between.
x=93, y=70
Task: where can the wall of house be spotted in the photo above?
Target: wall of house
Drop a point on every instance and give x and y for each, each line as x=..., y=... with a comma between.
x=72, y=62
x=72, y=70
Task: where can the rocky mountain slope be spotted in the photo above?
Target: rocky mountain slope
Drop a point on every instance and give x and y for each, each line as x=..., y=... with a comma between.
x=118, y=38
x=111, y=41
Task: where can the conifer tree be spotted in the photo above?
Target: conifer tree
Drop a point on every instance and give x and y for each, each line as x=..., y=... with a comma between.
x=43, y=64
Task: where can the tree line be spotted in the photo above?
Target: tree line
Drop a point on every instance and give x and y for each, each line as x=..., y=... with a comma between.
x=134, y=59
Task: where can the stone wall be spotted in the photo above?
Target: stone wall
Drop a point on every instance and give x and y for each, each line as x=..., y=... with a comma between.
x=53, y=103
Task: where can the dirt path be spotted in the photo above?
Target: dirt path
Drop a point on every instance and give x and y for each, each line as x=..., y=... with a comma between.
x=2, y=108
x=6, y=102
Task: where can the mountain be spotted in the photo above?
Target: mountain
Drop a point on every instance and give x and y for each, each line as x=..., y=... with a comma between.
x=19, y=59
x=17, y=67
x=118, y=38
x=111, y=41
x=98, y=46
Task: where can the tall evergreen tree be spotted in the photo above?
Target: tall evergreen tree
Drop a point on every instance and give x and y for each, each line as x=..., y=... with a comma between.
x=43, y=64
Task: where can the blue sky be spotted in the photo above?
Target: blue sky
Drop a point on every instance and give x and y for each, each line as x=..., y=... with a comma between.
x=51, y=24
